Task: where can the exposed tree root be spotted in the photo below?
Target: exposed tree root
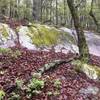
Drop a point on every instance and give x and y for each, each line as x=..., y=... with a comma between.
x=92, y=71
x=53, y=64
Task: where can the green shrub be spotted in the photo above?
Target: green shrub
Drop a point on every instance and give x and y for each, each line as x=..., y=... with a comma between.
x=36, y=84
x=34, y=87
x=2, y=94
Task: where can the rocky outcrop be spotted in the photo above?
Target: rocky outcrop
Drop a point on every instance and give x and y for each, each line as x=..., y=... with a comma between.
x=93, y=40
x=43, y=37
x=37, y=36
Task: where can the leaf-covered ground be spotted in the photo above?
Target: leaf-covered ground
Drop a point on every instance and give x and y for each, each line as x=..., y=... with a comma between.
x=24, y=65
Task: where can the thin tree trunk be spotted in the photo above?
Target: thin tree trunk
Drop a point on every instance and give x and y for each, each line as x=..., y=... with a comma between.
x=41, y=9
x=51, y=12
x=64, y=12
x=56, y=12
x=83, y=48
x=93, y=17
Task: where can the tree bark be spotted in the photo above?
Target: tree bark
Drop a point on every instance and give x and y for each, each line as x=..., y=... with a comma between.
x=56, y=12
x=83, y=48
x=35, y=13
x=94, y=18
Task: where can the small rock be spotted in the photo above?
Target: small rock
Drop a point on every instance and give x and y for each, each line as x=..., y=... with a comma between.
x=90, y=90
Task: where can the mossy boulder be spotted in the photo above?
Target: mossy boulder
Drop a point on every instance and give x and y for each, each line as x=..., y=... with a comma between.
x=42, y=36
x=34, y=36
x=7, y=35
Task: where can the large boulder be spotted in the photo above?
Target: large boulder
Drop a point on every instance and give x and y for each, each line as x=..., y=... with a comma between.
x=44, y=37
x=93, y=40
x=37, y=36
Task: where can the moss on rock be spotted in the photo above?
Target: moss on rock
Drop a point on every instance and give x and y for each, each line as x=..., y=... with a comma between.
x=3, y=30
x=92, y=71
x=43, y=35
x=67, y=37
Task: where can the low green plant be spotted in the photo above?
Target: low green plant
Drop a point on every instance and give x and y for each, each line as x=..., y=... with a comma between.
x=8, y=51
x=15, y=54
x=15, y=96
x=4, y=50
x=2, y=94
x=57, y=83
x=19, y=83
x=36, y=84
x=34, y=87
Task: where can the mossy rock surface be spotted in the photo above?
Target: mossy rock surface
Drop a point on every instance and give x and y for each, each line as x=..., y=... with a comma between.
x=43, y=35
x=92, y=71
x=34, y=35
x=4, y=31
x=7, y=36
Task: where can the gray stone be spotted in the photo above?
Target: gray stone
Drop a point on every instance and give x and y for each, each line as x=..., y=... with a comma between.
x=90, y=90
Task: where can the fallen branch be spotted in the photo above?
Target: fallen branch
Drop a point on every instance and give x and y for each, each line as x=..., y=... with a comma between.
x=53, y=64
x=92, y=71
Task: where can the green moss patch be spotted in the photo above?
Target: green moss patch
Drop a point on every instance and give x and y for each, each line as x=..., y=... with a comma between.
x=92, y=71
x=43, y=35
x=4, y=32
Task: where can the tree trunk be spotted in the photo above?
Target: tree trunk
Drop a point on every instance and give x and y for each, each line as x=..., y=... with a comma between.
x=94, y=18
x=56, y=12
x=83, y=48
x=51, y=11
x=35, y=13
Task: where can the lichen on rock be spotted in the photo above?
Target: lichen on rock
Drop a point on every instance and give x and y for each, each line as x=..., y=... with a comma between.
x=92, y=71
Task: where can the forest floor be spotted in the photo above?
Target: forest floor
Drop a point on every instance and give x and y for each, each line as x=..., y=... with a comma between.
x=23, y=66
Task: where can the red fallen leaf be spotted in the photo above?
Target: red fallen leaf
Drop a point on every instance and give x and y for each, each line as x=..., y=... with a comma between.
x=30, y=61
